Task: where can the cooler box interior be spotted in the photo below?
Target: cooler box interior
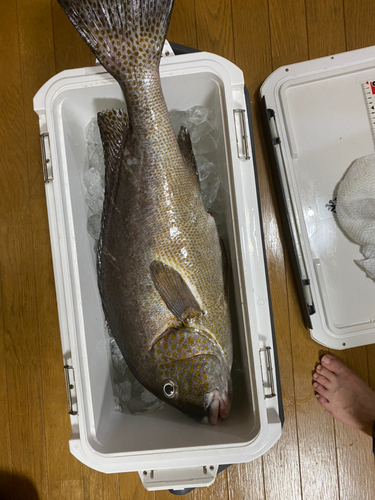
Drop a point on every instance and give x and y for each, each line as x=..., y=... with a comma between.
x=108, y=440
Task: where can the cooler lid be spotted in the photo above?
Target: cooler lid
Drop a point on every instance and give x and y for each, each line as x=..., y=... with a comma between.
x=319, y=116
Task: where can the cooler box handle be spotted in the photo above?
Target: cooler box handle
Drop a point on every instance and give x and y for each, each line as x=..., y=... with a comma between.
x=178, y=479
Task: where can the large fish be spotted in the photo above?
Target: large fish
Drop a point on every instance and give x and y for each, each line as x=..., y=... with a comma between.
x=160, y=269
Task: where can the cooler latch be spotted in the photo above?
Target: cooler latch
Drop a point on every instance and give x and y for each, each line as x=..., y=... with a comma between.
x=46, y=157
x=242, y=134
x=71, y=390
x=267, y=372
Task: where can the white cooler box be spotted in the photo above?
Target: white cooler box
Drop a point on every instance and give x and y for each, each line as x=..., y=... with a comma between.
x=320, y=118
x=169, y=450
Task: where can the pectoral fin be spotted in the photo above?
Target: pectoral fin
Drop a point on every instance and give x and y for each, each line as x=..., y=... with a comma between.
x=174, y=290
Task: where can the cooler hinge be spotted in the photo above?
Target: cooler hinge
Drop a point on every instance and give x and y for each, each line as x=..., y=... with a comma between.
x=267, y=372
x=46, y=157
x=241, y=127
x=291, y=215
x=71, y=390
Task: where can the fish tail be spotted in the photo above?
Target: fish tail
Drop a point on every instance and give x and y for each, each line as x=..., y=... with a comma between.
x=124, y=35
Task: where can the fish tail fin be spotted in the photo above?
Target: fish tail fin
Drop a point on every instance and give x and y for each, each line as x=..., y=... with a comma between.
x=124, y=35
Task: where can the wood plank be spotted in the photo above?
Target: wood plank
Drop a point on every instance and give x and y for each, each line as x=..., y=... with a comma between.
x=13, y=160
x=64, y=471
x=359, y=25
x=20, y=334
x=99, y=486
x=70, y=50
x=214, y=27
x=5, y=445
x=288, y=32
x=325, y=27
x=22, y=356
x=371, y=365
x=246, y=481
x=182, y=28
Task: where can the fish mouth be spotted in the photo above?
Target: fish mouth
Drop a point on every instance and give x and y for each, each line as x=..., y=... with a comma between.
x=219, y=406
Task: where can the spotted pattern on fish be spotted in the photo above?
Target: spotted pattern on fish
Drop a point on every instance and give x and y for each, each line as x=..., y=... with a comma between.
x=154, y=224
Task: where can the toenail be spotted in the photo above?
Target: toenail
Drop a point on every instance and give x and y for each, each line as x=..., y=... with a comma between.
x=315, y=375
x=327, y=359
x=319, y=367
x=315, y=385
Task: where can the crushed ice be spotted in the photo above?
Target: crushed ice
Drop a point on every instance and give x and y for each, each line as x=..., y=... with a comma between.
x=202, y=123
x=128, y=394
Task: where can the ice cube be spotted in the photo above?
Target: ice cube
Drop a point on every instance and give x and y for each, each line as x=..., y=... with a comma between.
x=95, y=154
x=95, y=190
x=92, y=132
x=148, y=398
x=92, y=180
x=205, y=167
x=198, y=114
x=197, y=131
x=206, y=144
x=209, y=180
x=210, y=188
x=124, y=390
x=118, y=361
x=119, y=406
x=95, y=202
x=178, y=119
x=93, y=226
x=136, y=406
x=218, y=205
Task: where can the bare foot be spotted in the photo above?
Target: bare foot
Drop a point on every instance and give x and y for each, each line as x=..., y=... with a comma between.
x=344, y=395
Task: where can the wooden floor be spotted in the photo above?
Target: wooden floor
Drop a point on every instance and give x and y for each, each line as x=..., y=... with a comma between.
x=315, y=458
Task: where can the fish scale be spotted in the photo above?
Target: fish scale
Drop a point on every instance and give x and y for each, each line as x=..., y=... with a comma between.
x=159, y=259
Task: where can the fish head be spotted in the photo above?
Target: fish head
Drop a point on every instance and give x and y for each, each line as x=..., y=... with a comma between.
x=192, y=375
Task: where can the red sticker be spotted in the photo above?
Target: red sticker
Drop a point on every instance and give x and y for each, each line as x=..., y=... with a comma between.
x=372, y=86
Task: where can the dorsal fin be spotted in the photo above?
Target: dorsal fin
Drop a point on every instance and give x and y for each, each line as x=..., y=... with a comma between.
x=113, y=126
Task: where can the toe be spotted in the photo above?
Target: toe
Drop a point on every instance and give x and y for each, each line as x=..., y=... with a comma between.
x=324, y=381
x=320, y=389
x=322, y=400
x=325, y=372
x=333, y=364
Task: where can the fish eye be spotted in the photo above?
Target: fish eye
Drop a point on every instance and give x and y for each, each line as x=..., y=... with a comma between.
x=169, y=389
